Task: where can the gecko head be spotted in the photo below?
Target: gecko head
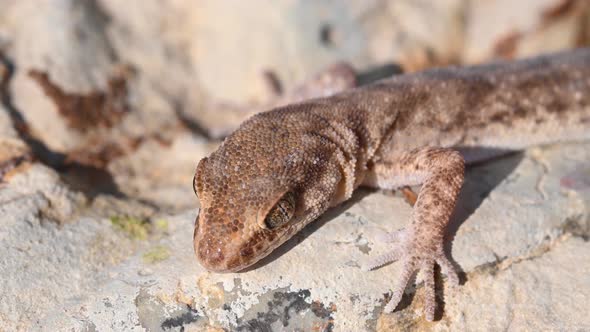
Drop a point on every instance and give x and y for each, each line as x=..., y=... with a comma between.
x=256, y=191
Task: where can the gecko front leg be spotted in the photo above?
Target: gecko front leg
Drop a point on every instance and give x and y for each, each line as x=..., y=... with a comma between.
x=420, y=245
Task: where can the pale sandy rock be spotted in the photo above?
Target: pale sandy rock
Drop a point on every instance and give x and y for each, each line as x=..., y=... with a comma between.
x=162, y=172
x=415, y=34
x=282, y=36
x=83, y=48
x=46, y=267
x=547, y=291
x=185, y=56
x=61, y=204
x=11, y=146
x=47, y=259
x=7, y=130
x=535, y=216
x=219, y=119
x=522, y=262
x=298, y=38
x=41, y=113
x=153, y=38
x=68, y=42
x=510, y=29
x=295, y=40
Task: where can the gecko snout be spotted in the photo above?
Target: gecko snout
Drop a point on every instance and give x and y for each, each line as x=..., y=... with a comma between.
x=210, y=253
x=214, y=252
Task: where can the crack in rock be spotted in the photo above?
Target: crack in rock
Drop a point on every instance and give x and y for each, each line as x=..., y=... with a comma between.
x=570, y=228
x=536, y=159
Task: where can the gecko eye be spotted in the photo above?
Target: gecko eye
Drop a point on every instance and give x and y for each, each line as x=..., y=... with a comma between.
x=282, y=212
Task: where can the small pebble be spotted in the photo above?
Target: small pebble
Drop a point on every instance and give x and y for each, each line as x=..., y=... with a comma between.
x=145, y=272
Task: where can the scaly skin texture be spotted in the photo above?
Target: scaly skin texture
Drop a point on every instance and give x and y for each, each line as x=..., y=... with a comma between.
x=402, y=131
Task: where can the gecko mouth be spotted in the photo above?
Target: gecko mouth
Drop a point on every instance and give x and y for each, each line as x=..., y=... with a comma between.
x=222, y=259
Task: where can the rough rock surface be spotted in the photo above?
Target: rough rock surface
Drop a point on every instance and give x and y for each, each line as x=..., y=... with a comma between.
x=520, y=237
x=106, y=107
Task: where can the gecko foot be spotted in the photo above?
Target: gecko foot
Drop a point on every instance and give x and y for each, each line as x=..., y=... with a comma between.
x=415, y=258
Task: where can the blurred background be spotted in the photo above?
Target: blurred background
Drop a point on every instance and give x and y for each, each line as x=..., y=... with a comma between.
x=108, y=105
x=124, y=97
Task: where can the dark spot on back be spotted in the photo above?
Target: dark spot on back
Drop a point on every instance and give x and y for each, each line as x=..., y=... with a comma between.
x=557, y=105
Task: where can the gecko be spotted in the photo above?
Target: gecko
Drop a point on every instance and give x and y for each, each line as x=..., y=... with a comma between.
x=282, y=169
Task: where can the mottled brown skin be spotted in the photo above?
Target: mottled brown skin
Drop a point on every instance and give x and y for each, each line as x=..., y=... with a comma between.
x=402, y=131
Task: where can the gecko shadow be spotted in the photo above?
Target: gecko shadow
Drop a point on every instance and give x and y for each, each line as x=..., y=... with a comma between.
x=480, y=180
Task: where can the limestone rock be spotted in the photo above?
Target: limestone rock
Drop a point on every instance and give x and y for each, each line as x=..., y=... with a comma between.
x=519, y=239
x=508, y=29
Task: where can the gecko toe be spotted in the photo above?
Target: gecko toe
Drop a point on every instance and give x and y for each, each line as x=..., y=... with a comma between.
x=416, y=258
x=396, y=296
x=426, y=269
x=396, y=237
x=415, y=261
x=448, y=269
x=429, y=290
x=383, y=259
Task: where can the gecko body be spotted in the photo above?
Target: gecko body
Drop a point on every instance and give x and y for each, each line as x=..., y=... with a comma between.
x=282, y=169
